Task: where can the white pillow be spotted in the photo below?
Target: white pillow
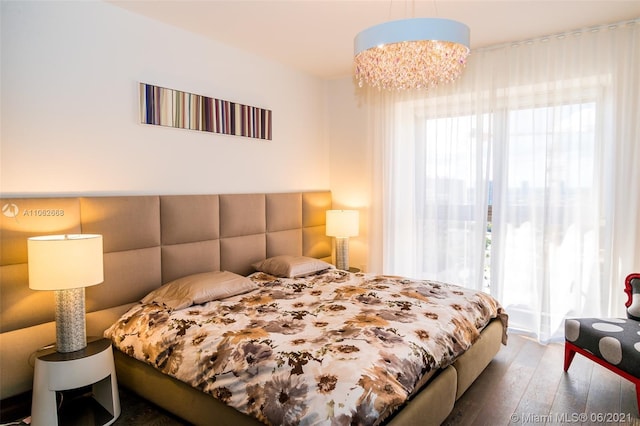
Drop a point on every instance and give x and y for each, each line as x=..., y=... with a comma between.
x=291, y=266
x=199, y=288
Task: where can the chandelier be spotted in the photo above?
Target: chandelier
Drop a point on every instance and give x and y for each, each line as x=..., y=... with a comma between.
x=417, y=53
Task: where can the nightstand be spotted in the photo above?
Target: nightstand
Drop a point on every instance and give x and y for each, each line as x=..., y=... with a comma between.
x=92, y=366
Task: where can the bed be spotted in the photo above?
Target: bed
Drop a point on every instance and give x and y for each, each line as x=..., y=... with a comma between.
x=150, y=241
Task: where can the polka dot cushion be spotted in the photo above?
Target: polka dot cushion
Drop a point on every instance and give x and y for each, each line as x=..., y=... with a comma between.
x=615, y=340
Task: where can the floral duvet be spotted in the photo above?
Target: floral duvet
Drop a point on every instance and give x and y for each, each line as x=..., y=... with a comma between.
x=331, y=349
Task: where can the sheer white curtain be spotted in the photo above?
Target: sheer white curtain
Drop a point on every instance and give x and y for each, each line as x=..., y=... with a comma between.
x=434, y=179
x=544, y=133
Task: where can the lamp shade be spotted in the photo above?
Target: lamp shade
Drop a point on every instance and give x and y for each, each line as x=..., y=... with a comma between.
x=342, y=223
x=58, y=262
x=415, y=29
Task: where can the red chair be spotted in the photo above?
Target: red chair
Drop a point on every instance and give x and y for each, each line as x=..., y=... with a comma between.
x=613, y=343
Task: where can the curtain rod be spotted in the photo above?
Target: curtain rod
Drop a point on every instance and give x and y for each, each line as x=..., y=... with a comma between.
x=561, y=35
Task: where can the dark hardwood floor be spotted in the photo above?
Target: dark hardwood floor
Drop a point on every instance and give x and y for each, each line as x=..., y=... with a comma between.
x=136, y=411
x=526, y=384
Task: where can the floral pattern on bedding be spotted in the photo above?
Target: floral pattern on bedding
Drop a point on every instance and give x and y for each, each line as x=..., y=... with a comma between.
x=332, y=349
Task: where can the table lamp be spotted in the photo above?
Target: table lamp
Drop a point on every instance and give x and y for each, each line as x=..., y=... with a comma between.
x=66, y=264
x=342, y=224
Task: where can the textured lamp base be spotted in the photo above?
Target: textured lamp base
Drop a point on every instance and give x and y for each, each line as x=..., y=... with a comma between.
x=342, y=253
x=71, y=331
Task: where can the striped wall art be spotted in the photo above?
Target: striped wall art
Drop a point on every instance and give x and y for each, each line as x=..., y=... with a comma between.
x=173, y=108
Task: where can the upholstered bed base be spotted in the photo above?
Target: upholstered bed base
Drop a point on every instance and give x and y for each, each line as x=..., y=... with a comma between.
x=430, y=406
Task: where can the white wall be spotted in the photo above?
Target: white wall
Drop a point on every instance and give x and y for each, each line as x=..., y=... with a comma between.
x=70, y=108
x=350, y=162
x=70, y=113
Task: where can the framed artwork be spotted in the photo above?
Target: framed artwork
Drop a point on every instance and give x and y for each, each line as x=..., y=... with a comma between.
x=168, y=107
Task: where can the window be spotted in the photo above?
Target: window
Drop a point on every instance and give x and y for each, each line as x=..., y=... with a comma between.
x=509, y=196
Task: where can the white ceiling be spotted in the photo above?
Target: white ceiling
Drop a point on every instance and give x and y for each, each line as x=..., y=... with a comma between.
x=317, y=36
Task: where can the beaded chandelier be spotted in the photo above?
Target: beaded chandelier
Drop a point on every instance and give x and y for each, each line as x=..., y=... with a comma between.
x=418, y=53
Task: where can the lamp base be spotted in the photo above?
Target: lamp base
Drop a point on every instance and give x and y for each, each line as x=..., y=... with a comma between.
x=342, y=253
x=71, y=331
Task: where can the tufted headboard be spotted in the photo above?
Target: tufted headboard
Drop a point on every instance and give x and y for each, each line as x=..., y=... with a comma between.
x=148, y=241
